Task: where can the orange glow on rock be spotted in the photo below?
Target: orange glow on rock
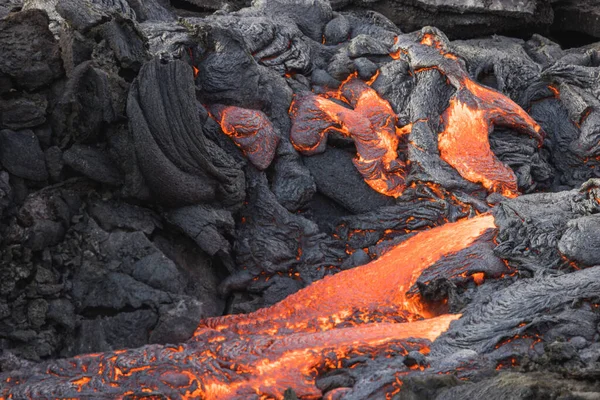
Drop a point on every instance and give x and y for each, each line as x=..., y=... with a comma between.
x=478, y=278
x=250, y=130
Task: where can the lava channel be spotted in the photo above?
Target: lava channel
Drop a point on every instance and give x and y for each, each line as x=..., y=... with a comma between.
x=287, y=345
x=222, y=365
x=359, y=295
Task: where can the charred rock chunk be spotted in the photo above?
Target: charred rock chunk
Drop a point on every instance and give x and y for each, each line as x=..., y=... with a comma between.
x=92, y=162
x=85, y=108
x=25, y=111
x=311, y=16
x=31, y=54
x=335, y=174
x=21, y=155
x=205, y=225
x=112, y=215
x=577, y=16
x=464, y=20
x=128, y=44
x=82, y=16
x=178, y=162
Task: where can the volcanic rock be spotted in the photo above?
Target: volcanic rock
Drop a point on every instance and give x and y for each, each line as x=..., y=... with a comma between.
x=85, y=107
x=31, y=54
x=577, y=16
x=178, y=162
x=92, y=162
x=26, y=111
x=464, y=19
x=21, y=155
x=581, y=239
x=334, y=173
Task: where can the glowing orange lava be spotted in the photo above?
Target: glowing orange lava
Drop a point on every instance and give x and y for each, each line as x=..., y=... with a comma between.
x=250, y=130
x=464, y=142
x=473, y=112
x=344, y=298
x=371, y=124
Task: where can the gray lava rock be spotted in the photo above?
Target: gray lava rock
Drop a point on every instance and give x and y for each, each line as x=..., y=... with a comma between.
x=112, y=215
x=465, y=19
x=206, y=226
x=104, y=333
x=85, y=108
x=159, y=272
x=94, y=163
x=177, y=323
x=581, y=240
x=21, y=155
x=335, y=174
x=25, y=111
x=31, y=56
x=36, y=312
x=577, y=16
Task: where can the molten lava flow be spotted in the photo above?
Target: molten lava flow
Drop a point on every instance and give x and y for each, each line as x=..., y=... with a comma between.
x=371, y=124
x=288, y=345
x=250, y=130
x=221, y=365
x=358, y=295
x=470, y=118
x=464, y=142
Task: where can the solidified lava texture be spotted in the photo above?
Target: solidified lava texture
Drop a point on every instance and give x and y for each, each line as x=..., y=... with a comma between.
x=251, y=131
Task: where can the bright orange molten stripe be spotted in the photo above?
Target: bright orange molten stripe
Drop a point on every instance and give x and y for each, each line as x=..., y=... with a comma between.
x=290, y=361
x=381, y=284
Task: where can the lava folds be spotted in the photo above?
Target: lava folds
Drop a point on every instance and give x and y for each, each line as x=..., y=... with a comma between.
x=469, y=119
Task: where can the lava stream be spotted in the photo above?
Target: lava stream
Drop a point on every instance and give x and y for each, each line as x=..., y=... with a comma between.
x=358, y=294
x=221, y=365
